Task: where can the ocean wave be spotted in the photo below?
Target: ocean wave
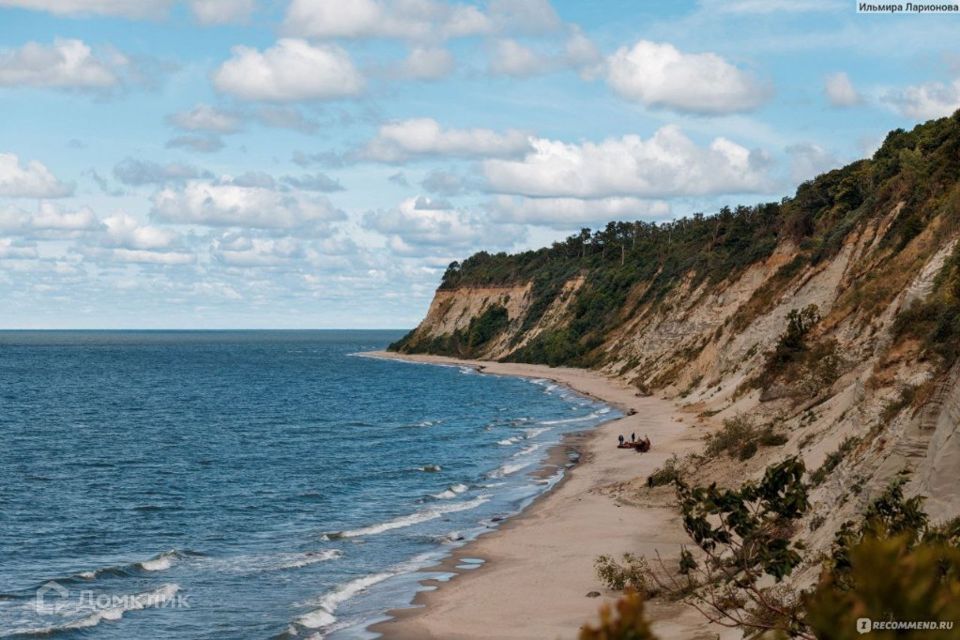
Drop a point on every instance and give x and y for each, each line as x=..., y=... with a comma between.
x=509, y=469
x=451, y=492
x=323, y=616
x=134, y=602
x=509, y=441
x=533, y=433
x=414, y=518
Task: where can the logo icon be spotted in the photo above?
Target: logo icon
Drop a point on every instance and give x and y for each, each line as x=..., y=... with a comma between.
x=864, y=625
x=51, y=597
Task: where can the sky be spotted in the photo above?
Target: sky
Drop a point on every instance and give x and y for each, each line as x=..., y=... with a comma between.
x=318, y=163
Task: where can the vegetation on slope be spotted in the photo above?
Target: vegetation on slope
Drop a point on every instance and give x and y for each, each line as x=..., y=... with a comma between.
x=631, y=265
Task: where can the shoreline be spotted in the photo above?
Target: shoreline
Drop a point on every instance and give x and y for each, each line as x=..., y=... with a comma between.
x=538, y=565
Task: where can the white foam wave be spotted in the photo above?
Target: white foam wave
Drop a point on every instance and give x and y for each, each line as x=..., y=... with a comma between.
x=323, y=616
x=509, y=441
x=510, y=468
x=528, y=450
x=533, y=433
x=586, y=418
x=451, y=492
x=415, y=518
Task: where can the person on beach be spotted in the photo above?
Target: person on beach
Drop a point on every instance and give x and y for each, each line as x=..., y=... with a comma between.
x=633, y=437
x=621, y=438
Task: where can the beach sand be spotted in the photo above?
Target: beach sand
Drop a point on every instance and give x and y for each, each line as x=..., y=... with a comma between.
x=539, y=565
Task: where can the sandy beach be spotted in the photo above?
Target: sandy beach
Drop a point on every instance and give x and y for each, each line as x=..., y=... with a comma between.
x=539, y=566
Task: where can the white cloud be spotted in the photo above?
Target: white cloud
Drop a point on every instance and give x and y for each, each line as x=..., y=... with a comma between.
x=200, y=144
x=840, y=90
x=203, y=117
x=564, y=213
x=510, y=58
x=428, y=63
x=926, y=101
x=667, y=164
x=49, y=221
x=226, y=204
x=398, y=141
x=420, y=224
x=124, y=231
x=659, y=75
x=809, y=160
x=11, y=249
x=244, y=250
x=290, y=70
x=32, y=180
x=213, y=12
x=524, y=16
x=66, y=64
x=409, y=19
x=133, y=172
x=123, y=8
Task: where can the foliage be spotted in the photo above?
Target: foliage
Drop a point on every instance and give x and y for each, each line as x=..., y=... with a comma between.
x=631, y=265
x=893, y=566
x=464, y=343
x=832, y=460
x=669, y=473
x=633, y=573
x=740, y=438
x=936, y=320
x=627, y=622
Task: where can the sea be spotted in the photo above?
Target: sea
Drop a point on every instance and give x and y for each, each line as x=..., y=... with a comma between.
x=250, y=484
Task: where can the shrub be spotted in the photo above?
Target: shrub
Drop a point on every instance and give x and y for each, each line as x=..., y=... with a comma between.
x=667, y=474
x=627, y=622
x=833, y=460
x=739, y=438
x=633, y=573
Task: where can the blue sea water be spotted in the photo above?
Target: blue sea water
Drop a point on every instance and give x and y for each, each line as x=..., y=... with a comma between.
x=248, y=485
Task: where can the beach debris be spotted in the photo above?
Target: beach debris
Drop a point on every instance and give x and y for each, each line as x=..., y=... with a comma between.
x=593, y=594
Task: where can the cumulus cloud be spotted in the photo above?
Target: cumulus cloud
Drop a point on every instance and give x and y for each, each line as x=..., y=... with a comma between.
x=420, y=20
x=30, y=180
x=122, y=8
x=659, y=75
x=398, y=141
x=203, y=117
x=290, y=70
x=445, y=183
x=419, y=225
x=65, y=64
x=125, y=232
x=11, y=249
x=565, y=213
x=666, y=164
x=135, y=173
x=285, y=118
x=314, y=182
x=227, y=204
x=428, y=63
x=510, y=58
x=840, y=91
x=809, y=160
x=246, y=250
x=926, y=101
x=200, y=144
x=48, y=221
x=212, y=12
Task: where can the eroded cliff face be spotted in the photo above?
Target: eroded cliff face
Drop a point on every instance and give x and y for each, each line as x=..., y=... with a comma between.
x=865, y=401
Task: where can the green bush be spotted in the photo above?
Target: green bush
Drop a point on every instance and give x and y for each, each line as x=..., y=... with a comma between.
x=739, y=438
x=632, y=573
x=626, y=622
x=667, y=474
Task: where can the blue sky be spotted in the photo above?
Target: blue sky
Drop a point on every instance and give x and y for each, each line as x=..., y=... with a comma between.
x=315, y=163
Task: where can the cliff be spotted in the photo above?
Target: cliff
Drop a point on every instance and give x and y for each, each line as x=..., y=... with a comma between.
x=831, y=318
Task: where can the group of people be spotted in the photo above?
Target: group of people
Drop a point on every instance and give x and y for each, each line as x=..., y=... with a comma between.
x=641, y=446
